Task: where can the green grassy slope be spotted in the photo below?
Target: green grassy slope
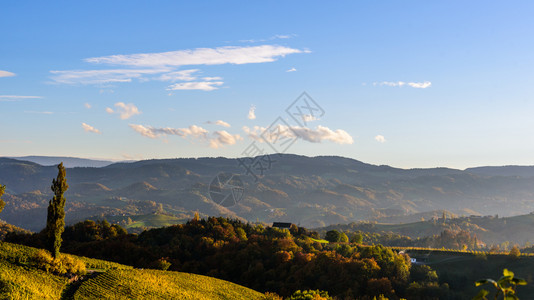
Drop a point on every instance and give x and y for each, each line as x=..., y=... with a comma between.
x=19, y=280
x=154, y=284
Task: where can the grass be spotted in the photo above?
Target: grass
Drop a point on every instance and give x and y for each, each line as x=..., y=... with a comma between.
x=320, y=241
x=17, y=282
x=154, y=284
x=148, y=221
x=20, y=280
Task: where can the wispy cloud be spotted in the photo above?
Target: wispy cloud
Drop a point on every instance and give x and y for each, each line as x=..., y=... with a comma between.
x=162, y=66
x=196, y=85
x=17, y=97
x=212, y=78
x=418, y=85
x=6, y=74
x=200, y=56
x=87, y=105
x=219, y=122
x=102, y=76
x=215, y=140
x=252, y=112
x=292, y=70
x=184, y=75
x=380, y=138
x=89, y=128
x=124, y=110
x=317, y=135
x=152, y=132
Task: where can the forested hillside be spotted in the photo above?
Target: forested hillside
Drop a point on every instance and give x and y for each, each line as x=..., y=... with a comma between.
x=310, y=191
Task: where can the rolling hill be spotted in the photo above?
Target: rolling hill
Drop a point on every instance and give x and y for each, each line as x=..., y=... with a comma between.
x=310, y=191
x=18, y=280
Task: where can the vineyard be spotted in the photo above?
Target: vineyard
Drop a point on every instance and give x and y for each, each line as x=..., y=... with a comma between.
x=19, y=279
x=18, y=282
x=154, y=284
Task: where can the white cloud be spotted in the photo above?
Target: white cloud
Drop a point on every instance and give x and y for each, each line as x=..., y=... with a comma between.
x=89, y=128
x=102, y=76
x=252, y=112
x=162, y=66
x=125, y=111
x=17, y=97
x=87, y=105
x=292, y=70
x=200, y=56
x=380, y=138
x=184, y=75
x=152, y=132
x=219, y=122
x=318, y=135
x=309, y=118
x=215, y=140
x=418, y=85
x=197, y=85
x=223, y=138
x=6, y=74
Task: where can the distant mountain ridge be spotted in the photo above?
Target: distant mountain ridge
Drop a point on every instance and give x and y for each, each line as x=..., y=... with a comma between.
x=69, y=162
x=311, y=191
x=522, y=171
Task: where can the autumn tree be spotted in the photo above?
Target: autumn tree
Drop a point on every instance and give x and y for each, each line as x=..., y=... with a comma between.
x=2, y=203
x=55, y=222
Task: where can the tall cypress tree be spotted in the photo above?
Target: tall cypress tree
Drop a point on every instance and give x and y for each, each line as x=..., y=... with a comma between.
x=55, y=222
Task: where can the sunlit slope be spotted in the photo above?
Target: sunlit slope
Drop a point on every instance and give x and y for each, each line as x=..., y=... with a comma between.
x=17, y=282
x=154, y=284
x=20, y=280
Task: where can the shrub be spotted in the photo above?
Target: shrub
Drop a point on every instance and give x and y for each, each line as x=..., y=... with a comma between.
x=62, y=265
x=161, y=264
x=310, y=295
x=515, y=253
x=272, y=296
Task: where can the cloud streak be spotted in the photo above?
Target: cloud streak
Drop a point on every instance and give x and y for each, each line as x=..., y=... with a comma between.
x=215, y=140
x=200, y=56
x=89, y=128
x=219, y=122
x=6, y=74
x=197, y=85
x=317, y=135
x=102, y=76
x=11, y=98
x=417, y=85
x=163, y=66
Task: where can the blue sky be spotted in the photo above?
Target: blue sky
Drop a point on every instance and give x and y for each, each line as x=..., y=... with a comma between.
x=409, y=84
